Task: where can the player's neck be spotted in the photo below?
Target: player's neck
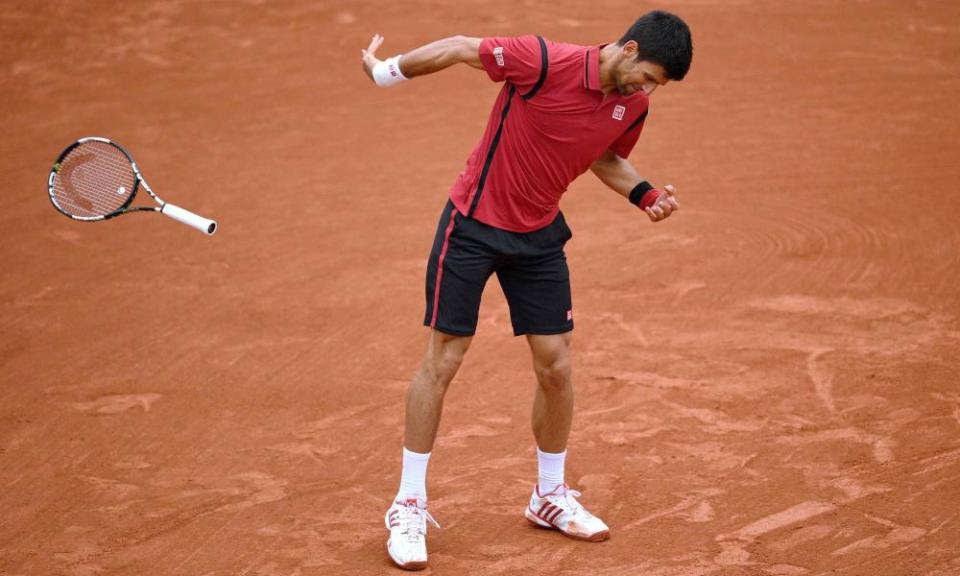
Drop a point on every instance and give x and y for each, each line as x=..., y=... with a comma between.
x=609, y=58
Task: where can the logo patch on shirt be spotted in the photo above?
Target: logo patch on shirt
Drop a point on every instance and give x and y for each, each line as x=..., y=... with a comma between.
x=618, y=112
x=498, y=55
x=569, y=315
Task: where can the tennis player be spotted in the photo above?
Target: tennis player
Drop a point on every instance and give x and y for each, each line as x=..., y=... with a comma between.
x=563, y=109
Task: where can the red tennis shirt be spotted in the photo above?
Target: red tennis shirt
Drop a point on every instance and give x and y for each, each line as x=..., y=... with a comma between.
x=550, y=122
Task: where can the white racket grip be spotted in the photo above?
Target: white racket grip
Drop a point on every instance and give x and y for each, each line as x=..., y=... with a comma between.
x=208, y=227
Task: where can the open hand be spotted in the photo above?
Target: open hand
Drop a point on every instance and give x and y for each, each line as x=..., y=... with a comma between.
x=369, y=57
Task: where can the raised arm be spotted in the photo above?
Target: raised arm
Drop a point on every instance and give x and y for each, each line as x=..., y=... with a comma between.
x=620, y=175
x=426, y=59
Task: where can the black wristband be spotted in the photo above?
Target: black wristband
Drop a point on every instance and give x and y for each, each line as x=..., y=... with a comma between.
x=636, y=195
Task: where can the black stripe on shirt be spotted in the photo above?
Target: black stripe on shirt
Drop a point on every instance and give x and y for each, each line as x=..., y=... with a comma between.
x=637, y=121
x=543, y=70
x=490, y=153
x=586, y=70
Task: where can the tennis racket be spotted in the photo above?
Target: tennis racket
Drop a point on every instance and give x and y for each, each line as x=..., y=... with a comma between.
x=96, y=179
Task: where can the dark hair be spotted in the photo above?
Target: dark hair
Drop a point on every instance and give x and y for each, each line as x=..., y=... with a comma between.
x=663, y=39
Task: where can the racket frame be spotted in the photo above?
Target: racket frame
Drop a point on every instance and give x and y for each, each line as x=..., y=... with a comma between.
x=125, y=207
x=177, y=213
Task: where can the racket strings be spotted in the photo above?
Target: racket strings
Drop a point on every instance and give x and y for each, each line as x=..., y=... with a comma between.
x=95, y=179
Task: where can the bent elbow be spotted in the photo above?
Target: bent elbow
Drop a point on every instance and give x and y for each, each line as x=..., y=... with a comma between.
x=465, y=49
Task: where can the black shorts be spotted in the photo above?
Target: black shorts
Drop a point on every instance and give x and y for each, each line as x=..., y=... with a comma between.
x=531, y=267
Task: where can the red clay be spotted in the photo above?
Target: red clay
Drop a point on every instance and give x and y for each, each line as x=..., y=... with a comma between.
x=767, y=382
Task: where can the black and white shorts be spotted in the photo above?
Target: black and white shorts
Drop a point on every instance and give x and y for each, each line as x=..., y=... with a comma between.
x=531, y=267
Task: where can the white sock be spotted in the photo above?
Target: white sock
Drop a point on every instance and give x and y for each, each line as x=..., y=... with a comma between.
x=551, y=470
x=413, y=479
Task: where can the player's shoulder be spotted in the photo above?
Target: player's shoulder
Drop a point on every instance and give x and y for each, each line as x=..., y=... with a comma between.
x=564, y=54
x=538, y=43
x=562, y=48
x=527, y=42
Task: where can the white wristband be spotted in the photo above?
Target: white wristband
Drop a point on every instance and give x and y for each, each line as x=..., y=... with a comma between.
x=387, y=73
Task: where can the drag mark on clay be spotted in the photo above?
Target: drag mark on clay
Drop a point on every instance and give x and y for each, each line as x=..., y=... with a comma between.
x=801, y=536
x=822, y=382
x=109, y=487
x=882, y=446
x=682, y=288
x=854, y=489
x=116, y=403
x=792, y=515
x=685, y=504
x=734, y=552
x=259, y=488
x=692, y=508
x=898, y=534
x=902, y=534
x=786, y=570
x=716, y=421
x=938, y=462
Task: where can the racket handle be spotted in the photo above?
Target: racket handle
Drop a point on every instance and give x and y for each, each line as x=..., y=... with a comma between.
x=208, y=227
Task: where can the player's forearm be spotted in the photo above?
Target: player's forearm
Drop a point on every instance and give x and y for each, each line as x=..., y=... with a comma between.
x=441, y=54
x=617, y=173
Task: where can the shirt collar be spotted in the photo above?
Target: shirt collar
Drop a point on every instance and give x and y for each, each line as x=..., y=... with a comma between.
x=591, y=68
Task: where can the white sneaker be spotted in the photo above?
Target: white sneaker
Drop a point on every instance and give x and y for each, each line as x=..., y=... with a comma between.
x=407, y=523
x=559, y=510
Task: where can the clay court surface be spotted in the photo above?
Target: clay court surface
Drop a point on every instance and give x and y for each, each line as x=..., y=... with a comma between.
x=767, y=382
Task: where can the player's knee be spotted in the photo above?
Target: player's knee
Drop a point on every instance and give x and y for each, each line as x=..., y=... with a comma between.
x=448, y=363
x=554, y=376
x=444, y=360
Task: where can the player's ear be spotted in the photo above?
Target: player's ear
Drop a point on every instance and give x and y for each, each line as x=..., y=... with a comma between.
x=630, y=49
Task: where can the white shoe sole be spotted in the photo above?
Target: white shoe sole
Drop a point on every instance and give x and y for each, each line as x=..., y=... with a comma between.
x=535, y=520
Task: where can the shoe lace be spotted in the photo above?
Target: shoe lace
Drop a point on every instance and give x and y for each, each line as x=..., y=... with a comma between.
x=569, y=497
x=413, y=521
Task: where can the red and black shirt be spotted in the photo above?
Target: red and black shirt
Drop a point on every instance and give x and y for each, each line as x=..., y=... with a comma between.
x=550, y=122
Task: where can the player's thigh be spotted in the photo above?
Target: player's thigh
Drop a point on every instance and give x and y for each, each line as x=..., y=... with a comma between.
x=458, y=268
x=538, y=293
